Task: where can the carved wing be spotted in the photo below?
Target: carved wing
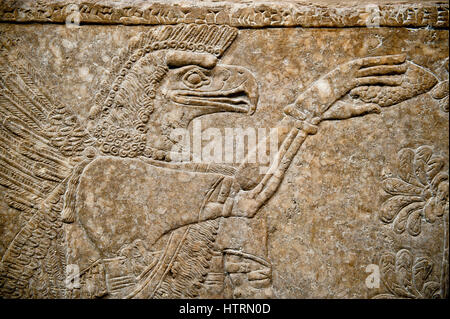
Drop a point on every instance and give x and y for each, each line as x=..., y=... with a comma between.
x=41, y=150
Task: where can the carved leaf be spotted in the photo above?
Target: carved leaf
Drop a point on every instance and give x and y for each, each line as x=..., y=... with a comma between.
x=402, y=292
x=420, y=168
x=441, y=207
x=406, y=278
x=387, y=270
x=439, y=178
x=405, y=161
x=402, y=218
x=435, y=164
x=403, y=271
x=396, y=186
x=385, y=296
x=393, y=205
x=431, y=290
x=421, y=271
x=429, y=210
x=414, y=224
x=424, y=153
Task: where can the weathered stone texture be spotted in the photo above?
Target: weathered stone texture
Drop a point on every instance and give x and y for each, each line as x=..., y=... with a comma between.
x=91, y=96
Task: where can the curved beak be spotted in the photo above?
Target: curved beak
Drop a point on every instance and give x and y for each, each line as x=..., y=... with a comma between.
x=226, y=88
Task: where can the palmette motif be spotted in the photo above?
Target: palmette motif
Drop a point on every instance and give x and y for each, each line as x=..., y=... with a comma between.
x=408, y=277
x=419, y=193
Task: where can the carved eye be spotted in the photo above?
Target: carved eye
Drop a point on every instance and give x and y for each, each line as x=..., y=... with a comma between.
x=195, y=79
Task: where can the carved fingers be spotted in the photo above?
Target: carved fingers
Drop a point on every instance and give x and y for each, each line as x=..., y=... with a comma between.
x=391, y=83
x=391, y=80
x=381, y=60
x=380, y=82
x=386, y=70
x=381, y=70
x=344, y=110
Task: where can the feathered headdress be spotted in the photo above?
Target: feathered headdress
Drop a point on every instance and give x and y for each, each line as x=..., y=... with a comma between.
x=124, y=105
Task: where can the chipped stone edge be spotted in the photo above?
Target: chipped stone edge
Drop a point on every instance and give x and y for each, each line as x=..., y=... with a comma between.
x=244, y=15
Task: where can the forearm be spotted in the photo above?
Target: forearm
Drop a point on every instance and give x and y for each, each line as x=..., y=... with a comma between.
x=248, y=202
x=250, y=174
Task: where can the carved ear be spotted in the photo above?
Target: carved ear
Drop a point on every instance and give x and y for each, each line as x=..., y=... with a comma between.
x=415, y=81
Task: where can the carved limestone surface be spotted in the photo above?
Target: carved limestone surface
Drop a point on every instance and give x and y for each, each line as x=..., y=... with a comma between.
x=232, y=149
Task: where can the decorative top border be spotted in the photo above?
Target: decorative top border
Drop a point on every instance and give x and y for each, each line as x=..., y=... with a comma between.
x=238, y=14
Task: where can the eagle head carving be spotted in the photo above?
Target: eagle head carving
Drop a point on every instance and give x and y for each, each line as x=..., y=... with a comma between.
x=168, y=77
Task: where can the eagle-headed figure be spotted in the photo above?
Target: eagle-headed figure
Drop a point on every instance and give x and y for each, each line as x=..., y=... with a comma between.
x=165, y=78
x=171, y=76
x=109, y=197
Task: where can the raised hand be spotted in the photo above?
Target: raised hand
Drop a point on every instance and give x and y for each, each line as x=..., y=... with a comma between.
x=355, y=88
x=371, y=82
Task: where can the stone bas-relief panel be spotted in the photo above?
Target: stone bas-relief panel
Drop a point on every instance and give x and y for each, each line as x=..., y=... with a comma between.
x=97, y=201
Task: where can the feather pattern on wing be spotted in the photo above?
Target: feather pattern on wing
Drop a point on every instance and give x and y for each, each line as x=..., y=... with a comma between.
x=41, y=146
